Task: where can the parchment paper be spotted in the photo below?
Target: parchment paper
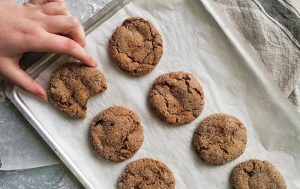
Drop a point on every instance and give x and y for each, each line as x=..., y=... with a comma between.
x=192, y=42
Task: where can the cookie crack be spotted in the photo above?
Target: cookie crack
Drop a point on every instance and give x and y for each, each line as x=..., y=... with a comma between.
x=167, y=102
x=99, y=122
x=250, y=173
x=132, y=58
x=189, y=87
x=153, y=35
x=224, y=149
x=167, y=105
x=85, y=83
x=125, y=145
x=131, y=116
x=165, y=98
x=143, y=61
x=125, y=139
x=73, y=93
x=158, y=176
x=152, y=40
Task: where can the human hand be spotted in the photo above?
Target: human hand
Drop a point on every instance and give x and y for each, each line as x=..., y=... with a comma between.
x=37, y=26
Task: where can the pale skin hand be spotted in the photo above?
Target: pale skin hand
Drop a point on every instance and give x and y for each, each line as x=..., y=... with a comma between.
x=34, y=27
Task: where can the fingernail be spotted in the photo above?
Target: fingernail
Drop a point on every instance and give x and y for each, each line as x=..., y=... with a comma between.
x=94, y=63
x=43, y=95
x=44, y=98
x=82, y=43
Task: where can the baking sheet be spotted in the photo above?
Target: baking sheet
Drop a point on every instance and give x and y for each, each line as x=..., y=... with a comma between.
x=193, y=42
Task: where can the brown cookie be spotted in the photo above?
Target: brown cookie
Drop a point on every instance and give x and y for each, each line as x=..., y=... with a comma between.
x=71, y=85
x=147, y=174
x=116, y=134
x=136, y=46
x=219, y=139
x=257, y=174
x=177, y=98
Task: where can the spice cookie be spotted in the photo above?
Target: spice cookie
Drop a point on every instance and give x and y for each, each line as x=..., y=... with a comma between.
x=136, y=46
x=219, y=139
x=71, y=85
x=255, y=174
x=147, y=173
x=116, y=134
x=177, y=98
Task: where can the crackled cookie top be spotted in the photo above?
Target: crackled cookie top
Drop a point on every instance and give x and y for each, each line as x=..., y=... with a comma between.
x=71, y=85
x=220, y=138
x=116, y=134
x=147, y=173
x=257, y=174
x=136, y=46
x=177, y=98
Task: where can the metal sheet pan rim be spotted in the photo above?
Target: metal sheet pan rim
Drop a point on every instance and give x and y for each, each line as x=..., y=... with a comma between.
x=12, y=91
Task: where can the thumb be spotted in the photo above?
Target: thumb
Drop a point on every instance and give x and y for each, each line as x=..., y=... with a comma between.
x=11, y=70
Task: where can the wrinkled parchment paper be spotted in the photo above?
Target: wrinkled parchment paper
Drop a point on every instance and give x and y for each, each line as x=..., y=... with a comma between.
x=192, y=42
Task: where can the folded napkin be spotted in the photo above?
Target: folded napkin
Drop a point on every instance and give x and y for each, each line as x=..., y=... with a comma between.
x=272, y=29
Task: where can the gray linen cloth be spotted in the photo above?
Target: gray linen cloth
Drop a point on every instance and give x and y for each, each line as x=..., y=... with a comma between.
x=271, y=27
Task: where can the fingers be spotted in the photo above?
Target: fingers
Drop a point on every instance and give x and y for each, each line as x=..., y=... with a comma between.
x=67, y=25
x=58, y=23
x=55, y=8
x=55, y=21
x=14, y=73
x=41, y=2
x=37, y=2
x=62, y=45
